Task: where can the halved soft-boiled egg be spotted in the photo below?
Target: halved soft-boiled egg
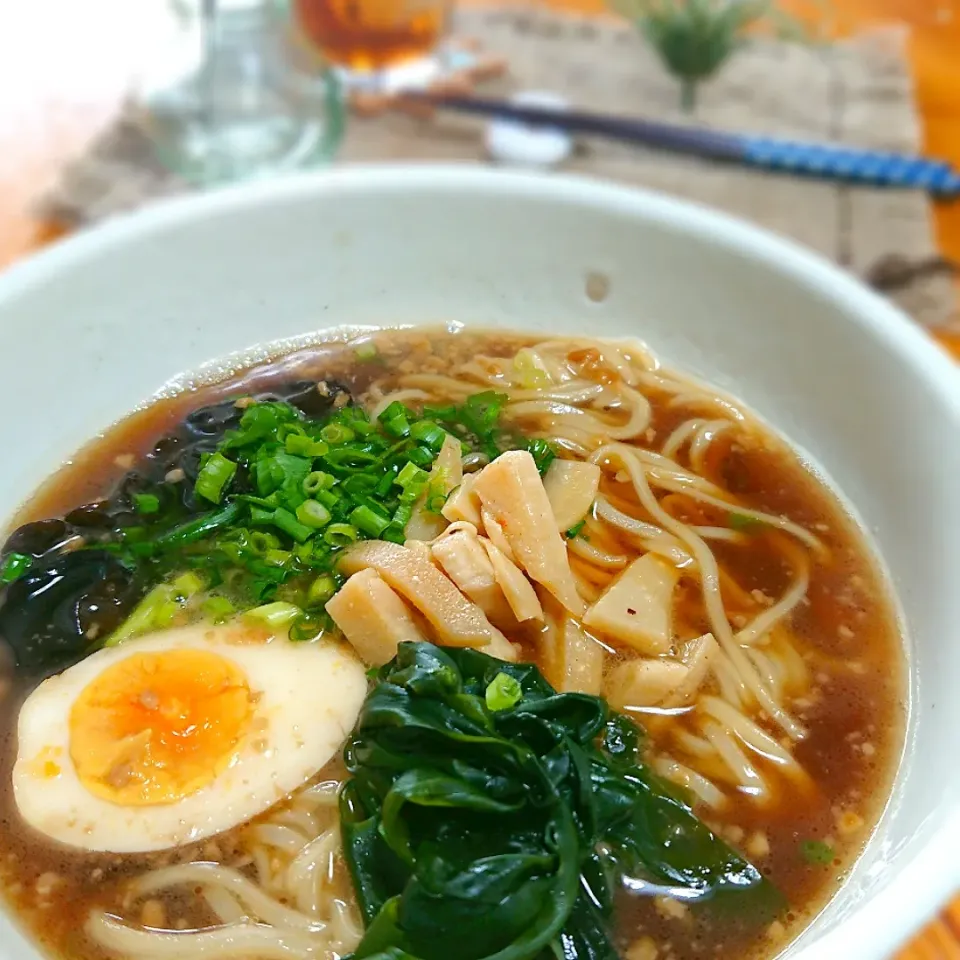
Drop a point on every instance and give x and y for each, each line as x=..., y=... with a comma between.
x=180, y=735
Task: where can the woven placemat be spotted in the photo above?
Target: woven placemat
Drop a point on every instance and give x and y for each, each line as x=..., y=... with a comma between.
x=857, y=92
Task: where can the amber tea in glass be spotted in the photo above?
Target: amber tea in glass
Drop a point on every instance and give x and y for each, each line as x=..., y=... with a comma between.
x=372, y=36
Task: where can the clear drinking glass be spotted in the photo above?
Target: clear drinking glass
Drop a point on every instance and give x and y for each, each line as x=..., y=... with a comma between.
x=376, y=44
x=230, y=103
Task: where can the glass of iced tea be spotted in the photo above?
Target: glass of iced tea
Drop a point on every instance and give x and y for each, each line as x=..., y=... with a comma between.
x=372, y=40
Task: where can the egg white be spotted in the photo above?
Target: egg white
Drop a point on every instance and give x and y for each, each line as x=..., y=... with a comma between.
x=310, y=697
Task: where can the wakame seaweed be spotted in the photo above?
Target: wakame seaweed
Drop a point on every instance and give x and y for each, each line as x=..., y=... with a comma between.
x=473, y=834
x=255, y=495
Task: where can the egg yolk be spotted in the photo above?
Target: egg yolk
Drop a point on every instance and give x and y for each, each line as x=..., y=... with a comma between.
x=156, y=727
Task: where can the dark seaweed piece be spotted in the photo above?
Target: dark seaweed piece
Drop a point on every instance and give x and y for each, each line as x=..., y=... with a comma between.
x=312, y=399
x=95, y=516
x=473, y=834
x=55, y=612
x=212, y=421
x=164, y=457
x=38, y=538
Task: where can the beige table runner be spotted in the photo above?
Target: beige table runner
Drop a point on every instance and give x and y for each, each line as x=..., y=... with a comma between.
x=857, y=92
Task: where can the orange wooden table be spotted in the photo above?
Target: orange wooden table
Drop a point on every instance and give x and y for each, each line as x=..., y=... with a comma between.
x=62, y=73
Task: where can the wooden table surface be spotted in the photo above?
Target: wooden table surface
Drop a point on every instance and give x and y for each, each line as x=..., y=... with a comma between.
x=62, y=73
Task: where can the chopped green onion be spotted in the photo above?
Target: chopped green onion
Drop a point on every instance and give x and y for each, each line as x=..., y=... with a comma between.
x=530, y=370
x=363, y=428
x=199, y=528
x=365, y=351
x=281, y=473
x=421, y=456
x=337, y=433
x=744, y=523
x=411, y=473
x=260, y=421
x=186, y=585
x=328, y=498
x=340, y=534
x=142, y=617
x=164, y=614
x=403, y=514
x=376, y=505
x=412, y=493
x=303, y=551
x=216, y=472
x=305, y=446
x=263, y=589
x=14, y=566
x=371, y=523
x=261, y=542
x=305, y=629
x=360, y=484
x=266, y=502
x=269, y=474
x=436, y=498
x=321, y=590
x=392, y=411
x=218, y=609
x=482, y=411
x=437, y=490
x=313, y=514
x=574, y=531
x=157, y=609
x=274, y=615
x=425, y=431
x=260, y=516
x=446, y=414
x=817, y=852
x=351, y=458
x=277, y=558
x=398, y=426
x=280, y=523
x=284, y=520
x=503, y=692
x=146, y=503
x=141, y=549
x=385, y=483
x=394, y=533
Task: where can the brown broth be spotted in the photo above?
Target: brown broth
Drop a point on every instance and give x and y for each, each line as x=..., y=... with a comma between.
x=848, y=633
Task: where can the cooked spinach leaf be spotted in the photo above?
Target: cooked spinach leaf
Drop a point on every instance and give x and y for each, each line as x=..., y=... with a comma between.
x=474, y=833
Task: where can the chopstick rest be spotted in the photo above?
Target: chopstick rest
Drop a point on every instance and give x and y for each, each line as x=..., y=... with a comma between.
x=520, y=144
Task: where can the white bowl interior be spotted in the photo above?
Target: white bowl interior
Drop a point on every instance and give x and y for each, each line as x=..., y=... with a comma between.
x=93, y=328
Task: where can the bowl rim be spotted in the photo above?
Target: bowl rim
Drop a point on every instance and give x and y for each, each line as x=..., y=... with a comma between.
x=871, y=311
x=932, y=873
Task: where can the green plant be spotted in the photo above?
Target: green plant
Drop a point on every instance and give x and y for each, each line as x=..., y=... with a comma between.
x=694, y=38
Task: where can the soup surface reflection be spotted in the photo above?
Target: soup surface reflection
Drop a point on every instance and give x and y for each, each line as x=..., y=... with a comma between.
x=696, y=575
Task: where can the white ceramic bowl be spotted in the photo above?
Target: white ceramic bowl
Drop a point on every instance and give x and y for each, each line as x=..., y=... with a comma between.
x=93, y=327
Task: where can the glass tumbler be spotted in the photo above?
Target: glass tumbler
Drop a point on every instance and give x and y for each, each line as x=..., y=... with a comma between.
x=228, y=101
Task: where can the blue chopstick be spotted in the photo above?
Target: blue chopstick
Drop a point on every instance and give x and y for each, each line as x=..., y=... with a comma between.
x=869, y=167
x=822, y=161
